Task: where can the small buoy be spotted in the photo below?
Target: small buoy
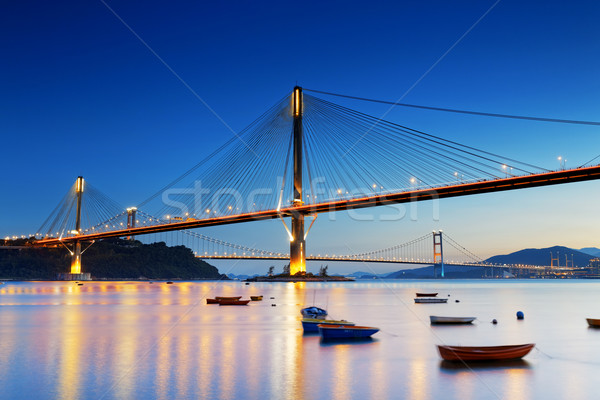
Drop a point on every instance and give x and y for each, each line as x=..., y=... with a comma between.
x=247, y=283
x=80, y=284
x=494, y=321
x=458, y=301
x=520, y=315
x=448, y=295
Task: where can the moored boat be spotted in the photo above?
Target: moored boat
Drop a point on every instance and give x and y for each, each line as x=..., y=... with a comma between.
x=426, y=294
x=228, y=298
x=484, y=353
x=313, y=312
x=593, y=322
x=346, y=331
x=256, y=298
x=430, y=300
x=233, y=302
x=311, y=324
x=212, y=301
x=437, y=320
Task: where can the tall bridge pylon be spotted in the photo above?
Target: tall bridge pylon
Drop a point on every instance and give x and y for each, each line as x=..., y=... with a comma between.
x=297, y=241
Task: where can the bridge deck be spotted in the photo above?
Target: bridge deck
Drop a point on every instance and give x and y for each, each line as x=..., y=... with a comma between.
x=462, y=189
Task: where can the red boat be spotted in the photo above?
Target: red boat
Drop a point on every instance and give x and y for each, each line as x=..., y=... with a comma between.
x=484, y=353
x=233, y=302
x=595, y=323
x=217, y=299
x=426, y=294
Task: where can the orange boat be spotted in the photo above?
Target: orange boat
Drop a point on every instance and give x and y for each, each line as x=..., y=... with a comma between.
x=233, y=302
x=484, y=353
x=594, y=323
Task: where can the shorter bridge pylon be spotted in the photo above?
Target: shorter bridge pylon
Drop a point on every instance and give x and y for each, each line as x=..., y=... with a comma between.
x=438, y=252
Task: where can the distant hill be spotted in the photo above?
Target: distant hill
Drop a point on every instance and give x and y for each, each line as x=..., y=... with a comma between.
x=366, y=275
x=241, y=276
x=592, y=251
x=450, y=272
x=542, y=257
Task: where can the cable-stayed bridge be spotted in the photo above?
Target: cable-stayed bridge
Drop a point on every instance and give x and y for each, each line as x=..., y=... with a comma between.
x=303, y=157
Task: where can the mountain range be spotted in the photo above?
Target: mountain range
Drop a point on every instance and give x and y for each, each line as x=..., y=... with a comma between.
x=543, y=256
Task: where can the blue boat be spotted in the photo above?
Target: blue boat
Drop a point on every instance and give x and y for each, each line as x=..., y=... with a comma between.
x=313, y=312
x=346, y=331
x=311, y=324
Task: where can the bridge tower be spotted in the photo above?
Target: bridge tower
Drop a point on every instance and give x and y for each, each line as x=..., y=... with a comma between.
x=297, y=241
x=76, y=273
x=76, y=256
x=438, y=251
x=131, y=211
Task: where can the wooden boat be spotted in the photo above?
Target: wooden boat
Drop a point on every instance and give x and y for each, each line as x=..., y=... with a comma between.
x=228, y=298
x=311, y=324
x=256, y=298
x=593, y=322
x=313, y=312
x=437, y=320
x=426, y=294
x=212, y=301
x=233, y=302
x=484, y=353
x=346, y=331
x=430, y=300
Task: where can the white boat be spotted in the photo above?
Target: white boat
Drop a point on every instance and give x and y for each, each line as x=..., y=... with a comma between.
x=430, y=300
x=437, y=320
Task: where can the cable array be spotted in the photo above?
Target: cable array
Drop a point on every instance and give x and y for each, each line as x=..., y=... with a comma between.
x=96, y=209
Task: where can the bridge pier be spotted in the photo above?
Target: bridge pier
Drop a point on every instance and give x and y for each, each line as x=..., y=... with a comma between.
x=297, y=241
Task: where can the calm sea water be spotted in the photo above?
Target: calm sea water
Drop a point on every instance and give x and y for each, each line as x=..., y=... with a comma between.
x=135, y=340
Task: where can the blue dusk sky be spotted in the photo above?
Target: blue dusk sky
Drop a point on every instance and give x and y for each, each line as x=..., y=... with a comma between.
x=132, y=94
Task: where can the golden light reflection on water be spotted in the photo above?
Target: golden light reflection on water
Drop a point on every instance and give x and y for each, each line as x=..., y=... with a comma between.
x=69, y=366
x=417, y=378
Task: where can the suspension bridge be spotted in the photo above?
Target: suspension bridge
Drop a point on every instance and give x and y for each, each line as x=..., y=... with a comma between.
x=303, y=157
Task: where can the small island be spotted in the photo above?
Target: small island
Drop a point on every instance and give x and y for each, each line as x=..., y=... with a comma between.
x=301, y=276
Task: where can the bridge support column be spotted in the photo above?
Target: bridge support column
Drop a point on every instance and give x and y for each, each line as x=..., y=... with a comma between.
x=438, y=251
x=297, y=242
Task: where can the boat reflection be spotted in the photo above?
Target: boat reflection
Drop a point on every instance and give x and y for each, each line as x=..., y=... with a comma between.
x=454, y=366
x=350, y=341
